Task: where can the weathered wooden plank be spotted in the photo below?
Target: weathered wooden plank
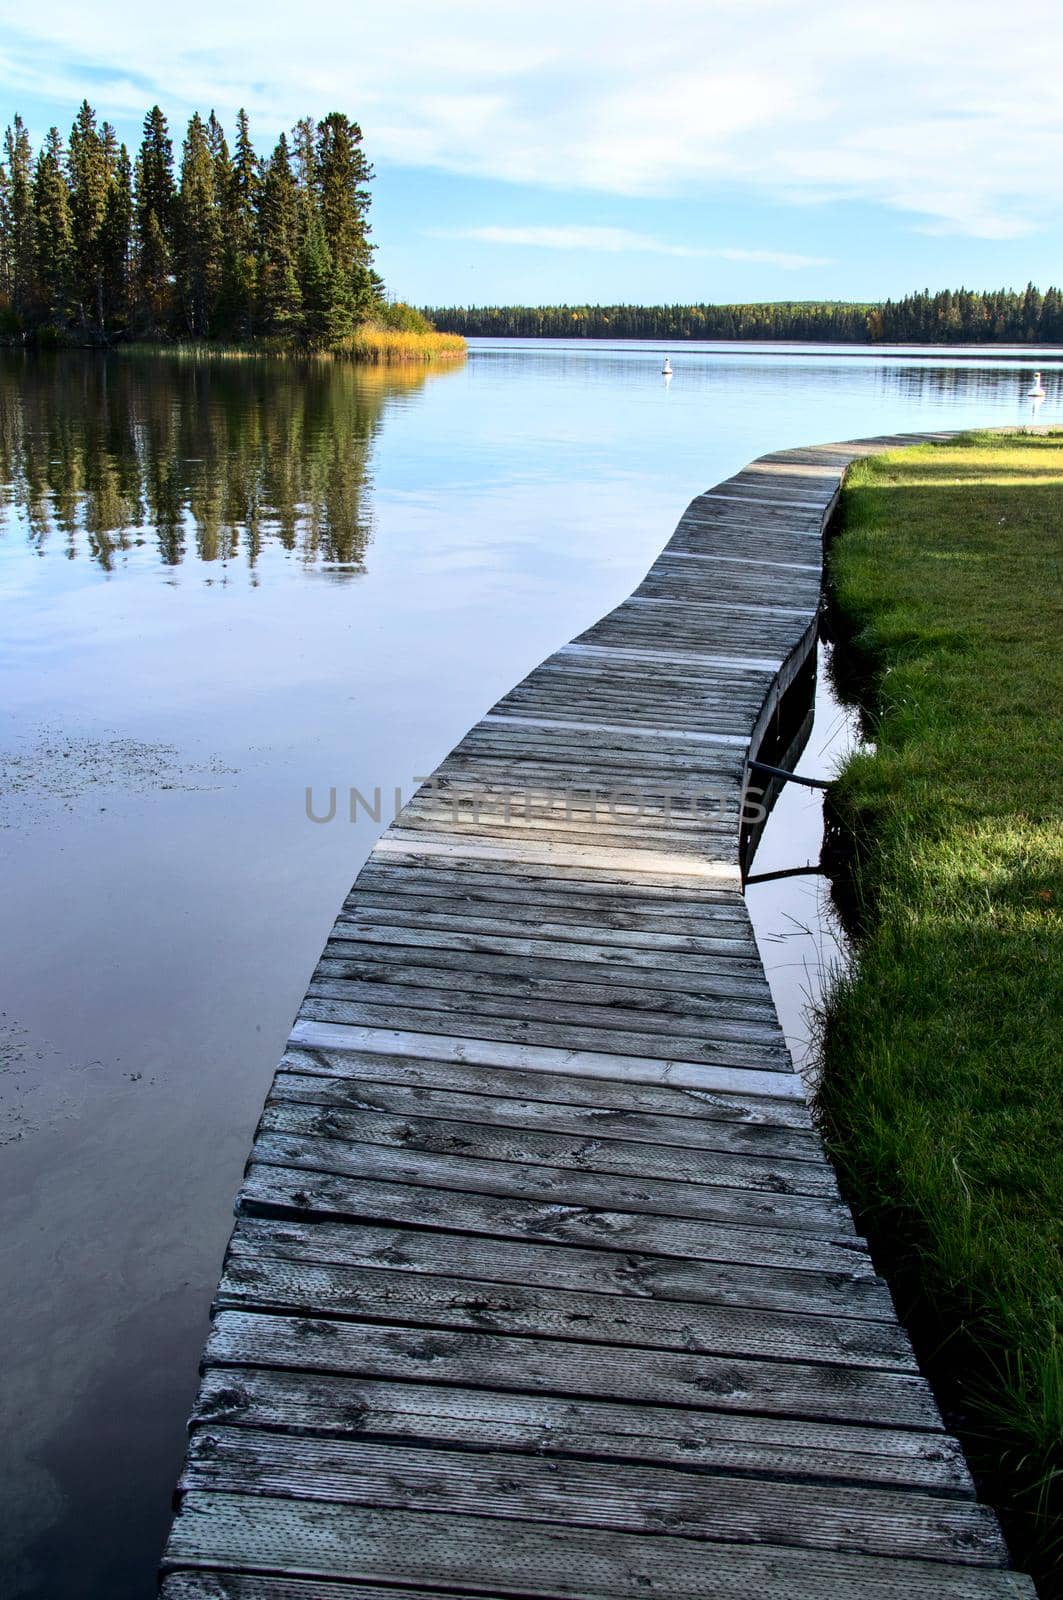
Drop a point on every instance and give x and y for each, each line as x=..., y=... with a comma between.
x=813, y=1390
x=524, y=901
x=492, y=1021
x=382, y=1293
x=398, y=1163
x=290, y=1191
x=703, y=1026
x=334, y=1404
x=600, y=1152
x=857, y=1293
x=635, y=991
x=559, y=1116
x=503, y=1083
x=530, y=1058
x=300, y=1192
x=597, y=1494
x=599, y=888
x=214, y=1585
x=764, y=667
x=408, y=842
x=486, y=1556
x=606, y=946
x=508, y=811
x=590, y=754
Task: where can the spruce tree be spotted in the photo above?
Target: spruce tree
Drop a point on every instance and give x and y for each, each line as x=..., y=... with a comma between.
x=18, y=220
x=116, y=244
x=304, y=158
x=6, y=315
x=90, y=166
x=198, y=231
x=327, y=312
x=53, y=234
x=156, y=206
x=342, y=178
x=281, y=299
x=238, y=190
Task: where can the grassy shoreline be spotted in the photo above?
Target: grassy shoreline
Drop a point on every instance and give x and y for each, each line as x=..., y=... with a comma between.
x=368, y=345
x=942, y=1095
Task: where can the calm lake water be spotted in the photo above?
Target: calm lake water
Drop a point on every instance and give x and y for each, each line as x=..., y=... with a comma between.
x=223, y=582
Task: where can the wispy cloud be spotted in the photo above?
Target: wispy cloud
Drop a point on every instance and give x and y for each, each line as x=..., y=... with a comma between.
x=948, y=114
x=620, y=241
x=611, y=241
x=786, y=259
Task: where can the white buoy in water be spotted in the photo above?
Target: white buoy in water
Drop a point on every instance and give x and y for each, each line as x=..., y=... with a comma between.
x=666, y=370
x=1038, y=390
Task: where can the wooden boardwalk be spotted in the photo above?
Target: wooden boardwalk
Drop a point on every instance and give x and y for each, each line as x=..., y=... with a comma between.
x=541, y=1284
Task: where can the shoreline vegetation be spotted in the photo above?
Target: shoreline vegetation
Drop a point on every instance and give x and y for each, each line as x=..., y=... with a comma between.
x=961, y=316
x=942, y=1094
x=100, y=249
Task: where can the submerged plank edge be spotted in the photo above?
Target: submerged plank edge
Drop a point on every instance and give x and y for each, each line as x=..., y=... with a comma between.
x=541, y=1284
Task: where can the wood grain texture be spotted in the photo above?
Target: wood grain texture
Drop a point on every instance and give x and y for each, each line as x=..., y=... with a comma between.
x=541, y=1284
x=318, y=1539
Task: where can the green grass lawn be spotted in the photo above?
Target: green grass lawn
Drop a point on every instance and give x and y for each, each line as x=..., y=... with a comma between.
x=942, y=1097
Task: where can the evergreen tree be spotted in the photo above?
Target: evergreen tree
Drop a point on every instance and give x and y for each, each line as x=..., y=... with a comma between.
x=6, y=315
x=156, y=207
x=115, y=245
x=1052, y=317
x=1030, y=313
x=53, y=234
x=304, y=156
x=327, y=312
x=280, y=296
x=17, y=220
x=342, y=178
x=90, y=166
x=238, y=185
x=198, y=230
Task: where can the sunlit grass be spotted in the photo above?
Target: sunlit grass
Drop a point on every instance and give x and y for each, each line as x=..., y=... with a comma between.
x=394, y=345
x=943, y=1086
x=375, y=346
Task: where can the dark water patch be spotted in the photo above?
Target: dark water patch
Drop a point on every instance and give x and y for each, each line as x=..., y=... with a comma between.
x=803, y=941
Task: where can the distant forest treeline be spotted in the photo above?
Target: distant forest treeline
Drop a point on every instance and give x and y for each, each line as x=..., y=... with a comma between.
x=96, y=245
x=960, y=316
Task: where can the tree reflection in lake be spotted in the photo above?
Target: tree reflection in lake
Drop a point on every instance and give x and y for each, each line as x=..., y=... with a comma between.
x=213, y=457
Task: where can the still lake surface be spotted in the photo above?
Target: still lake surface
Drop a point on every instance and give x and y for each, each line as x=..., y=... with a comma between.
x=223, y=582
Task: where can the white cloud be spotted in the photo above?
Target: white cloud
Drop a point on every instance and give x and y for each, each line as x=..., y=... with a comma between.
x=948, y=113
x=786, y=259
x=613, y=241
x=620, y=241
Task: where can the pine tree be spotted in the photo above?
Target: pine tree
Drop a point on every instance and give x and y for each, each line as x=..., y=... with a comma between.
x=327, y=312
x=281, y=299
x=116, y=245
x=18, y=220
x=238, y=190
x=342, y=177
x=198, y=230
x=6, y=315
x=304, y=157
x=53, y=234
x=156, y=206
x=90, y=167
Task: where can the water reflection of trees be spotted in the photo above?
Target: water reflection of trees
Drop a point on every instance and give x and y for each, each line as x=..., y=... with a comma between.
x=218, y=457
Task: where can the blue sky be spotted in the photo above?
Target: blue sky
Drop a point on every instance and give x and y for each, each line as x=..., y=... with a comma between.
x=717, y=150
